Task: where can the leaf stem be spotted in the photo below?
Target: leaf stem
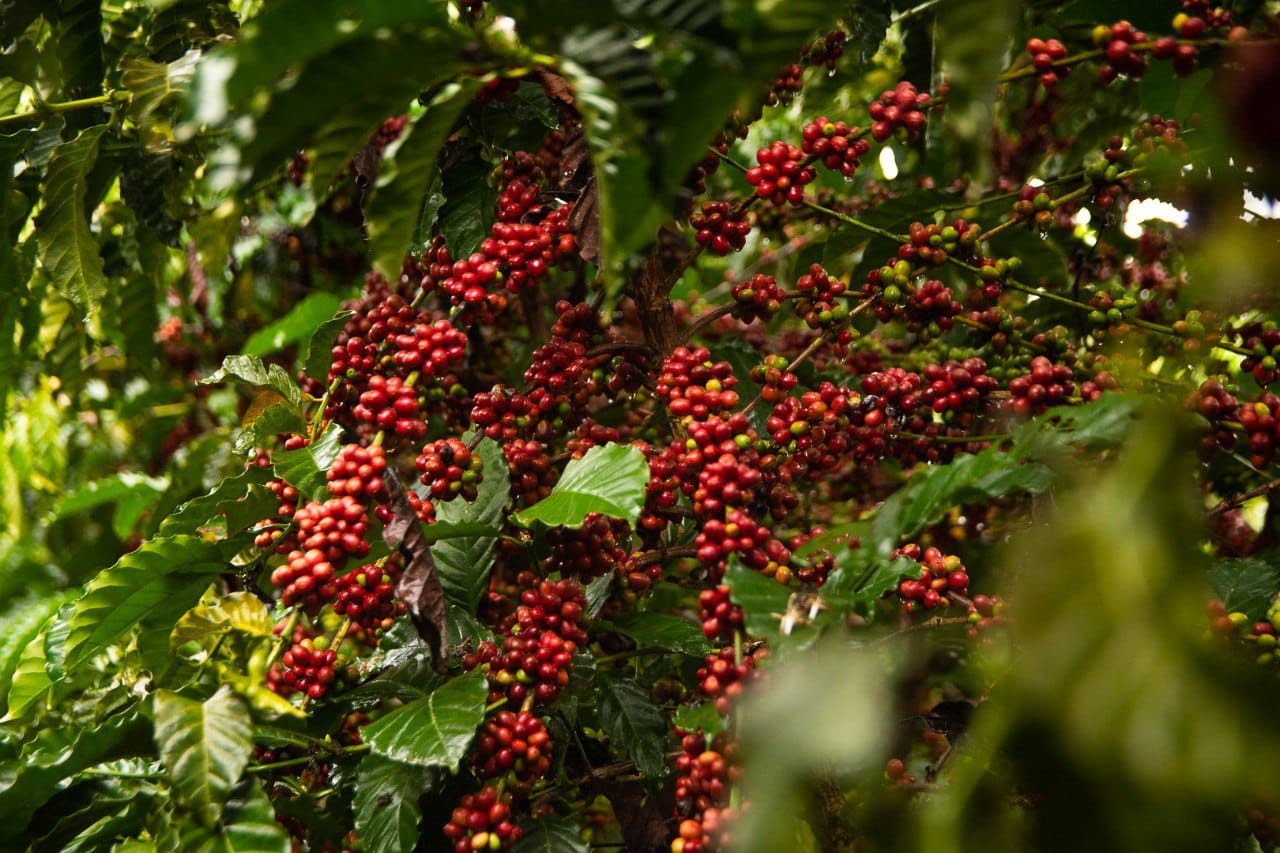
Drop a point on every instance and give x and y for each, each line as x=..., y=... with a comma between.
x=305, y=759
x=45, y=109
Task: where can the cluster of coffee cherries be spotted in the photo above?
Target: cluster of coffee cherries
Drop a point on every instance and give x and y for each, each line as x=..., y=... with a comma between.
x=722, y=678
x=738, y=534
x=721, y=227
x=692, y=386
x=587, y=552
x=1045, y=53
x=782, y=174
x=357, y=473
x=1219, y=407
x=482, y=822
x=532, y=474
x=953, y=389
x=512, y=743
x=899, y=107
x=391, y=405
x=1263, y=362
x=939, y=576
x=1121, y=57
x=1261, y=422
x=834, y=144
x=820, y=304
x=757, y=298
x=774, y=379
x=1046, y=385
x=304, y=669
x=813, y=429
x=719, y=615
x=538, y=643
x=449, y=469
x=367, y=597
x=706, y=773
x=329, y=534
x=933, y=244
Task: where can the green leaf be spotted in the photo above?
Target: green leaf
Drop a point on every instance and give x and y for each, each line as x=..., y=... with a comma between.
x=552, y=835
x=435, y=731
x=274, y=420
x=23, y=673
x=237, y=611
x=124, y=486
x=76, y=46
x=373, y=77
x=151, y=84
x=762, y=599
x=609, y=480
x=702, y=717
x=467, y=213
x=636, y=727
x=665, y=631
x=597, y=593
x=1246, y=584
x=408, y=171
x=248, y=826
x=320, y=348
x=57, y=754
x=205, y=746
x=863, y=586
x=251, y=371
x=305, y=468
x=289, y=33
x=68, y=251
x=629, y=215
x=164, y=573
x=386, y=803
x=25, y=621
x=197, y=512
x=300, y=323
x=463, y=563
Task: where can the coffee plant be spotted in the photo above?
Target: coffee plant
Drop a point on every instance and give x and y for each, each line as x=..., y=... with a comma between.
x=653, y=425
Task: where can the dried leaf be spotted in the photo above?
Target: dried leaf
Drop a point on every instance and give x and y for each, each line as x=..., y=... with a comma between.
x=419, y=587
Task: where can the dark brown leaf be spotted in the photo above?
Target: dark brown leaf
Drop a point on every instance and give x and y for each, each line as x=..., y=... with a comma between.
x=419, y=587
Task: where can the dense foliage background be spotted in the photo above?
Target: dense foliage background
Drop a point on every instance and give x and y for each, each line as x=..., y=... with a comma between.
x=652, y=424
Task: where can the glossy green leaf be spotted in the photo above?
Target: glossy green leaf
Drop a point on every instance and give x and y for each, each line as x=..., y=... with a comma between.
x=305, y=468
x=636, y=727
x=242, y=612
x=205, y=747
x=386, y=803
x=665, y=631
x=299, y=324
x=28, y=781
x=408, y=171
x=164, y=573
x=763, y=600
x=609, y=480
x=1246, y=584
x=320, y=347
x=69, y=252
x=250, y=370
x=704, y=718
x=597, y=593
x=468, y=210
x=290, y=33
x=197, y=512
x=30, y=680
x=434, y=731
x=248, y=825
x=463, y=563
x=552, y=835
